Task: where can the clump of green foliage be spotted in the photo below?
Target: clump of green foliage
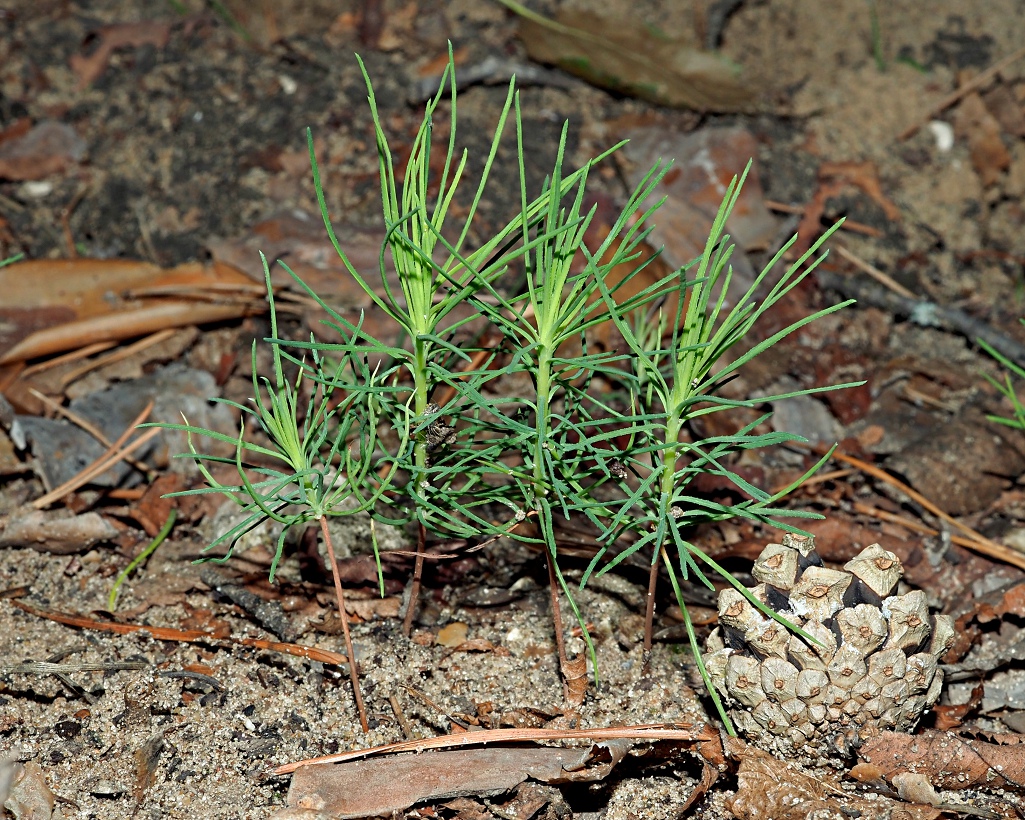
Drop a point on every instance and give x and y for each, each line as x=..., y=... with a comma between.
x=1006, y=386
x=487, y=465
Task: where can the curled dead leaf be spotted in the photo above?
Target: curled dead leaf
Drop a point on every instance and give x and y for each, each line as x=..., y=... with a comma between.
x=47, y=148
x=949, y=761
x=769, y=787
x=89, y=67
x=56, y=532
x=54, y=305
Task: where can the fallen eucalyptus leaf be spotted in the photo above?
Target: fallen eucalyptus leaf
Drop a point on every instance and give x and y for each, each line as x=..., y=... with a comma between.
x=629, y=58
x=371, y=788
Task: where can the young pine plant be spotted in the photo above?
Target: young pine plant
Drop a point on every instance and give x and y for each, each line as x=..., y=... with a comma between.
x=311, y=469
x=558, y=434
x=678, y=383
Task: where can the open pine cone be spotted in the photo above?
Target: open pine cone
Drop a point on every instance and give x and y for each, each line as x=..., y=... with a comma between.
x=876, y=667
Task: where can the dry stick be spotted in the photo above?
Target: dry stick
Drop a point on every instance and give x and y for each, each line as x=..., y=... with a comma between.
x=113, y=455
x=164, y=633
x=340, y=594
x=73, y=356
x=849, y=225
x=400, y=716
x=977, y=541
x=118, y=355
x=98, y=467
x=907, y=523
x=822, y=478
x=882, y=278
x=968, y=87
x=921, y=311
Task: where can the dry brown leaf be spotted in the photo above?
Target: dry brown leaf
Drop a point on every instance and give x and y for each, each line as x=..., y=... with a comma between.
x=834, y=178
x=1006, y=108
x=18, y=128
x=574, y=675
x=990, y=157
x=950, y=716
x=46, y=148
x=768, y=787
x=626, y=57
x=1000, y=603
x=89, y=68
x=152, y=510
x=146, y=758
x=949, y=761
x=452, y=634
x=370, y=609
x=269, y=21
x=51, y=306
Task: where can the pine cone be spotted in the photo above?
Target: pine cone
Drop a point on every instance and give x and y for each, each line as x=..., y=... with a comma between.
x=874, y=668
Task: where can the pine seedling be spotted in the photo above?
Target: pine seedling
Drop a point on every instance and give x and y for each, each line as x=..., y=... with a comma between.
x=561, y=431
x=310, y=470
x=681, y=382
x=429, y=292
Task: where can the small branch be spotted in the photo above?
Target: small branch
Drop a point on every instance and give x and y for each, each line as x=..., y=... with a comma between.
x=85, y=424
x=909, y=524
x=400, y=716
x=975, y=541
x=340, y=594
x=683, y=732
x=882, y=278
x=922, y=312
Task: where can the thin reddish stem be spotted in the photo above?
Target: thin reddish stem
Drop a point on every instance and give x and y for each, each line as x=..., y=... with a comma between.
x=649, y=612
x=414, y=589
x=340, y=594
